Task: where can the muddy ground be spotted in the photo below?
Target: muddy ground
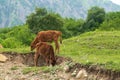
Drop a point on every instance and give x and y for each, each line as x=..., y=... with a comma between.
x=13, y=68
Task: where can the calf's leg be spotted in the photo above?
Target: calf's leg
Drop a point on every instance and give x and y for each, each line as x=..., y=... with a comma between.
x=36, y=55
x=56, y=46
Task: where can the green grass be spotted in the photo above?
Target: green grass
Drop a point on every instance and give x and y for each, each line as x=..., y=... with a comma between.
x=98, y=47
x=31, y=69
x=19, y=50
x=14, y=68
x=44, y=69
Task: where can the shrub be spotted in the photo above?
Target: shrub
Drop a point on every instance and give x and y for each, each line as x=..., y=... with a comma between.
x=11, y=42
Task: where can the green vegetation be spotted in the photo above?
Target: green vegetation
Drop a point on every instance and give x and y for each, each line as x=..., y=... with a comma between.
x=111, y=22
x=42, y=20
x=95, y=17
x=51, y=69
x=14, y=68
x=72, y=27
x=16, y=37
x=22, y=50
x=31, y=69
x=98, y=47
x=45, y=69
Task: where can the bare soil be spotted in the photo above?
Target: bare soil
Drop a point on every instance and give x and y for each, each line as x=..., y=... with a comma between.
x=21, y=61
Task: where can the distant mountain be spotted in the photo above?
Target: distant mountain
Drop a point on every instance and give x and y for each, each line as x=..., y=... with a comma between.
x=14, y=12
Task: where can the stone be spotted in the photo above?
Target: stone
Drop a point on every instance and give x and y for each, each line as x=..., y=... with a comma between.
x=66, y=68
x=74, y=73
x=3, y=58
x=82, y=74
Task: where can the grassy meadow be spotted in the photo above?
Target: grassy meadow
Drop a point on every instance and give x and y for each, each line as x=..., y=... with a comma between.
x=97, y=47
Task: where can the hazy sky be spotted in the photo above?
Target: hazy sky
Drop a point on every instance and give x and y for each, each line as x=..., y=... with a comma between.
x=116, y=1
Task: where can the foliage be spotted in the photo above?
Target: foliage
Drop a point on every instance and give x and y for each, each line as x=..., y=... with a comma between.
x=34, y=19
x=11, y=42
x=52, y=21
x=72, y=27
x=111, y=22
x=4, y=30
x=24, y=35
x=95, y=17
x=16, y=37
x=112, y=15
x=42, y=20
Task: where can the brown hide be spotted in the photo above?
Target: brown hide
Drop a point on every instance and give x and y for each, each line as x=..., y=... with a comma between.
x=48, y=36
x=46, y=51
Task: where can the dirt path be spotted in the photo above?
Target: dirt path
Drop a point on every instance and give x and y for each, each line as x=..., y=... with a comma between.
x=65, y=70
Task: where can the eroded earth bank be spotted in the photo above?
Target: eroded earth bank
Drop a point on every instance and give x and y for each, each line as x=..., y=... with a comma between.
x=20, y=67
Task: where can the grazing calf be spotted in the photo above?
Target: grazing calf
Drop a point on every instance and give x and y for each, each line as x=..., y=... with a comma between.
x=48, y=36
x=46, y=51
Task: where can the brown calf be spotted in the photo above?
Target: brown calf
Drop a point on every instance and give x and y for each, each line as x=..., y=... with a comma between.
x=46, y=51
x=48, y=36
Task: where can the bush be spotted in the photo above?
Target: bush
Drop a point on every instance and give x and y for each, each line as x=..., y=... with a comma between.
x=17, y=36
x=112, y=22
x=71, y=27
x=24, y=35
x=95, y=17
x=111, y=25
x=11, y=42
x=42, y=20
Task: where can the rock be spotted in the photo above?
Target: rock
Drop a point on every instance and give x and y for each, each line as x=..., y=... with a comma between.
x=1, y=46
x=3, y=58
x=66, y=68
x=8, y=78
x=74, y=73
x=82, y=74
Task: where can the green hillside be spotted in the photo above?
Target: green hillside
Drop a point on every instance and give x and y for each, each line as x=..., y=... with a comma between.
x=98, y=47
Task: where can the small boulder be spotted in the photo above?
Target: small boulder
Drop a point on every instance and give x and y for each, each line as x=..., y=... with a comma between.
x=82, y=74
x=3, y=58
x=74, y=73
x=66, y=68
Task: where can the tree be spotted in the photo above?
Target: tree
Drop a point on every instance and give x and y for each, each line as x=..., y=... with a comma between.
x=17, y=36
x=34, y=19
x=72, y=27
x=42, y=20
x=95, y=17
x=112, y=22
x=112, y=15
x=52, y=21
